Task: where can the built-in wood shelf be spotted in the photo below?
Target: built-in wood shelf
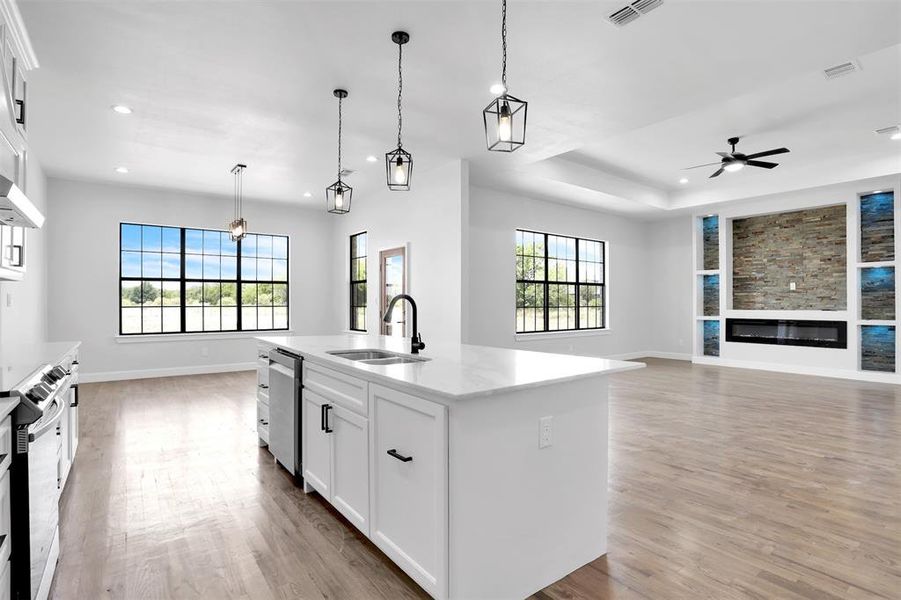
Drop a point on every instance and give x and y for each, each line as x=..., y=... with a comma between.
x=708, y=318
x=708, y=272
x=888, y=323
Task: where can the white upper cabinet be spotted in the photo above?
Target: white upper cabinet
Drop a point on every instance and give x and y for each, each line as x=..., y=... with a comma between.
x=16, y=58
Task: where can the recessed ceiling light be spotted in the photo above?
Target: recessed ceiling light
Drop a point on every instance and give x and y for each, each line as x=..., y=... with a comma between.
x=497, y=89
x=684, y=180
x=122, y=109
x=307, y=195
x=122, y=170
x=371, y=158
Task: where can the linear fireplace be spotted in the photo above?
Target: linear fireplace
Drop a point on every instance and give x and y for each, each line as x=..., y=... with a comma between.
x=788, y=332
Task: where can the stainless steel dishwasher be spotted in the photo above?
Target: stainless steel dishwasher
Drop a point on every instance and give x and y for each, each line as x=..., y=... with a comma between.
x=285, y=371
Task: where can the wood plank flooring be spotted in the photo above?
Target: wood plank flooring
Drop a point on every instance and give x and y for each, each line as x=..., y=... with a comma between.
x=724, y=484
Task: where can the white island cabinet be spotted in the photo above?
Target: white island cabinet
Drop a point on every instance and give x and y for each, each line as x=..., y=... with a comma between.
x=481, y=472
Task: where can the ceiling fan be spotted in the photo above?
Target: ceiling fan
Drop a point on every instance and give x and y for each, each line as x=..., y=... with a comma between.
x=736, y=161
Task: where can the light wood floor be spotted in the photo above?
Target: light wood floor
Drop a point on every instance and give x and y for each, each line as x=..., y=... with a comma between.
x=724, y=484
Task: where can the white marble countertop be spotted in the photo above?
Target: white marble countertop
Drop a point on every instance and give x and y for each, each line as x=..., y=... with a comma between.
x=21, y=360
x=455, y=370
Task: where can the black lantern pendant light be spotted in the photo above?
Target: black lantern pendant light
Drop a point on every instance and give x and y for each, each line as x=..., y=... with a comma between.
x=237, y=229
x=399, y=162
x=505, y=117
x=338, y=195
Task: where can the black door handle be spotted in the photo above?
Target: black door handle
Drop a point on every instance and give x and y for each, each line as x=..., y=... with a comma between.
x=327, y=407
x=393, y=452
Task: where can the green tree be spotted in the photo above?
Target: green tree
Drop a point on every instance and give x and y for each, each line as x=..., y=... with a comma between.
x=145, y=293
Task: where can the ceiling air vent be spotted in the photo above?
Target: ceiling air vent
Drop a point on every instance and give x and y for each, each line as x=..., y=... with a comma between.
x=624, y=15
x=630, y=12
x=646, y=6
x=845, y=68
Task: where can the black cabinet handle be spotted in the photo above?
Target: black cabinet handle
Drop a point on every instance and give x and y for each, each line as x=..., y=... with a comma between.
x=327, y=408
x=75, y=401
x=263, y=386
x=393, y=452
x=20, y=119
x=263, y=422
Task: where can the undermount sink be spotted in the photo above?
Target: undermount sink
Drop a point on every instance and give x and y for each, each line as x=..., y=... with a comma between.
x=377, y=357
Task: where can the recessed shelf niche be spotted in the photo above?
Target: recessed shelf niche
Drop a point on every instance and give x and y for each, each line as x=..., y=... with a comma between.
x=877, y=227
x=877, y=348
x=711, y=287
x=711, y=242
x=711, y=330
x=877, y=293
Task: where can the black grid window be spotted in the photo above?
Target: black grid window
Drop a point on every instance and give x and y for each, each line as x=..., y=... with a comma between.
x=181, y=280
x=560, y=283
x=358, y=282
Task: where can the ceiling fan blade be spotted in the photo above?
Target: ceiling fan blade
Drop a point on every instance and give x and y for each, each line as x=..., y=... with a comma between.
x=718, y=173
x=699, y=166
x=762, y=163
x=725, y=154
x=768, y=153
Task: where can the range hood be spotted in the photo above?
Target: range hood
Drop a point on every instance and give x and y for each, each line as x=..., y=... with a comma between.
x=16, y=209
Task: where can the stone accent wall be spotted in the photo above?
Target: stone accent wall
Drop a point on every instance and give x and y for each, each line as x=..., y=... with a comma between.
x=877, y=348
x=877, y=227
x=711, y=338
x=711, y=295
x=711, y=227
x=877, y=293
x=808, y=247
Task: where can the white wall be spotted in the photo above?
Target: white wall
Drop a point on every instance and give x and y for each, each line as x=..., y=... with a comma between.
x=669, y=286
x=83, y=231
x=429, y=220
x=491, y=299
x=24, y=321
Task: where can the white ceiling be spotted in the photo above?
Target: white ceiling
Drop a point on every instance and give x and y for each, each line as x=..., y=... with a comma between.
x=614, y=113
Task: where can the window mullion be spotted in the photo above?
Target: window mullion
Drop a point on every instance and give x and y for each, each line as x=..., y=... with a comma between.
x=547, y=288
x=578, y=288
x=183, y=286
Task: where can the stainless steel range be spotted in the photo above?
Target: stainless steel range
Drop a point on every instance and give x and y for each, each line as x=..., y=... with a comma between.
x=42, y=420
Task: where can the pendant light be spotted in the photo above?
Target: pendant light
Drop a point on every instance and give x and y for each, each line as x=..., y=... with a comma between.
x=237, y=229
x=505, y=117
x=338, y=195
x=399, y=162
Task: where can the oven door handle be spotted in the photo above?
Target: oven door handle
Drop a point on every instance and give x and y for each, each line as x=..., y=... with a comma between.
x=50, y=424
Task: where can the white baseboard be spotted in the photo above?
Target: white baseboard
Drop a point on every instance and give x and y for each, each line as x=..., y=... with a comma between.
x=874, y=376
x=87, y=377
x=650, y=354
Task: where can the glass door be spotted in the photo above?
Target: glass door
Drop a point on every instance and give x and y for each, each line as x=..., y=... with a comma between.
x=393, y=278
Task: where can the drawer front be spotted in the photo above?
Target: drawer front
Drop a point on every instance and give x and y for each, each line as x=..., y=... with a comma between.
x=343, y=390
x=6, y=443
x=263, y=377
x=408, y=458
x=263, y=415
x=4, y=518
x=263, y=395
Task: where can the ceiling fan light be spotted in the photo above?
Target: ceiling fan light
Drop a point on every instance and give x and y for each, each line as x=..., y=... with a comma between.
x=732, y=167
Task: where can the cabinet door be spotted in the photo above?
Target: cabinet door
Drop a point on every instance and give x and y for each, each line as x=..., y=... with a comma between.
x=409, y=485
x=316, y=445
x=64, y=457
x=350, y=466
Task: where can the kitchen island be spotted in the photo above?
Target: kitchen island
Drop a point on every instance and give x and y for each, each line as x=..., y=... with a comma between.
x=481, y=472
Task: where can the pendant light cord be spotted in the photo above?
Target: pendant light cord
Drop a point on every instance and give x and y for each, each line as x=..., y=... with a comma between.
x=504, y=44
x=400, y=89
x=339, y=138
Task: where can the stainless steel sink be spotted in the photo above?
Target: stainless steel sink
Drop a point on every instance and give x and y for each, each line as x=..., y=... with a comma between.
x=377, y=357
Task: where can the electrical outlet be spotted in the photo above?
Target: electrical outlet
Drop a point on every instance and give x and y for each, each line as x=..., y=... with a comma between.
x=792, y=286
x=545, y=430
x=204, y=351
